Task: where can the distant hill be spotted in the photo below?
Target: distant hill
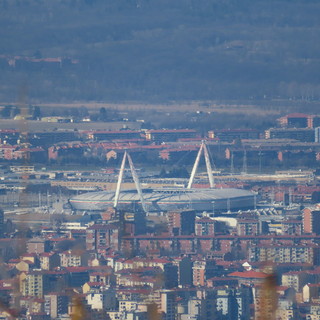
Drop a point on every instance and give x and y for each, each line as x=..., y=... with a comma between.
x=159, y=50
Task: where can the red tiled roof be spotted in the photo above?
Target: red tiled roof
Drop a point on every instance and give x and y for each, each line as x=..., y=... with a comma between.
x=297, y=115
x=102, y=226
x=170, y=130
x=221, y=279
x=14, y=261
x=6, y=285
x=60, y=239
x=94, y=284
x=111, y=131
x=9, y=131
x=78, y=269
x=313, y=284
x=101, y=273
x=25, y=255
x=180, y=149
x=282, y=288
x=56, y=272
x=46, y=254
x=133, y=290
x=248, y=274
x=235, y=130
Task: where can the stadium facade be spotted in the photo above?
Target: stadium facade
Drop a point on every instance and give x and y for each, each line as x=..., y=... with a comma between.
x=227, y=199
x=167, y=199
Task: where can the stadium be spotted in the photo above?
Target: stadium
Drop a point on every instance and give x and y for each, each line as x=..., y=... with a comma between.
x=158, y=200
x=166, y=199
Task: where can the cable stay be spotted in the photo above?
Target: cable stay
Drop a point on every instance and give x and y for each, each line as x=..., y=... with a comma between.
x=120, y=177
x=135, y=179
x=203, y=148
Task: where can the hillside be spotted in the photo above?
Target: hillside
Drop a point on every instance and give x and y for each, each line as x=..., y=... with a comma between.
x=159, y=50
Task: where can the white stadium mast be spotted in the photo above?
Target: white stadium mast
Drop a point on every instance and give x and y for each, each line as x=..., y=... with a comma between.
x=203, y=148
x=135, y=179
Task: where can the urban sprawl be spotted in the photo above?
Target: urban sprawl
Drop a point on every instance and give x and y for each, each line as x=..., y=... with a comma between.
x=139, y=223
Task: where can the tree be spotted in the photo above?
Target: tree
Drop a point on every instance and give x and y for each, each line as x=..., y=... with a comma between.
x=163, y=173
x=83, y=112
x=103, y=114
x=36, y=113
x=14, y=111
x=6, y=112
x=315, y=197
x=37, y=54
x=65, y=245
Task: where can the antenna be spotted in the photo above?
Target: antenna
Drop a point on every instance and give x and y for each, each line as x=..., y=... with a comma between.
x=290, y=197
x=135, y=179
x=260, y=161
x=232, y=164
x=196, y=163
x=255, y=201
x=245, y=166
x=272, y=196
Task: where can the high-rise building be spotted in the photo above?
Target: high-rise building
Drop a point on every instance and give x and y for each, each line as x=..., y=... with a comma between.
x=317, y=135
x=182, y=222
x=102, y=236
x=56, y=304
x=168, y=304
x=2, y=226
x=71, y=258
x=185, y=271
x=233, y=303
x=203, y=270
x=246, y=227
x=33, y=284
x=205, y=226
x=311, y=220
x=170, y=273
x=38, y=245
x=102, y=299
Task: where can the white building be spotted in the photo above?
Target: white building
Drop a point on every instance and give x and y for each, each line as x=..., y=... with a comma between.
x=105, y=300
